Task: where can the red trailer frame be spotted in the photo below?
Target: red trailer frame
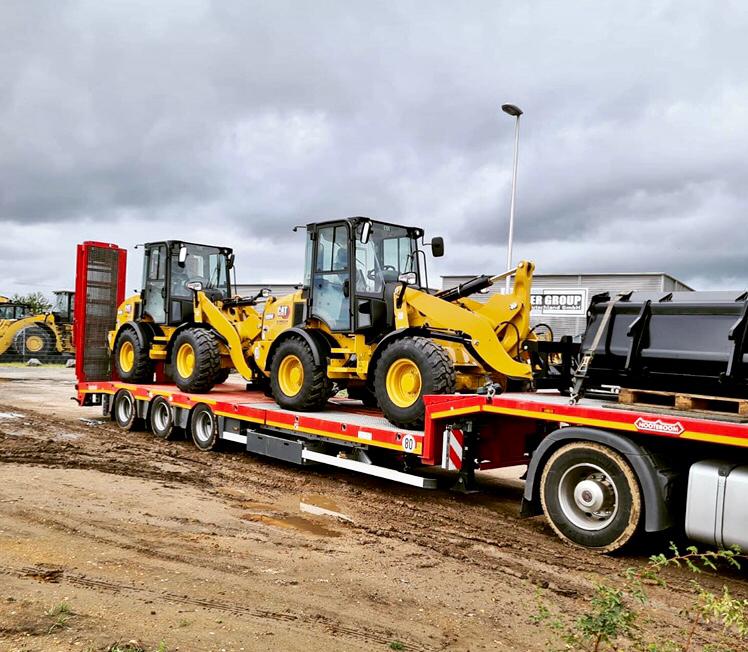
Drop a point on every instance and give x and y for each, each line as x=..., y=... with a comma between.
x=642, y=457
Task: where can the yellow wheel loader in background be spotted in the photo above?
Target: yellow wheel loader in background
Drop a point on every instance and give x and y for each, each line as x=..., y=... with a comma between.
x=364, y=320
x=23, y=333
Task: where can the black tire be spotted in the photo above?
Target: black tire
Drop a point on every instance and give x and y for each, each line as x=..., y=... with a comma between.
x=222, y=376
x=131, y=360
x=436, y=374
x=125, y=411
x=34, y=341
x=204, y=428
x=363, y=394
x=199, y=375
x=314, y=387
x=161, y=418
x=582, y=476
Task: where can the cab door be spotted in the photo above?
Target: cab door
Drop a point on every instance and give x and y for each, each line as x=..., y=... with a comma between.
x=330, y=286
x=154, y=293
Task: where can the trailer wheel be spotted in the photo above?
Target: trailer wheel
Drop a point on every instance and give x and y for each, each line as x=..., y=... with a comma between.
x=409, y=368
x=204, y=427
x=296, y=382
x=161, y=418
x=196, y=360
x=591, y=496
x=33, y=340
x=125, y=411
x=131, y=359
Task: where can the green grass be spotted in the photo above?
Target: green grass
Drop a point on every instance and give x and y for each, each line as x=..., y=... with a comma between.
x=61, y=613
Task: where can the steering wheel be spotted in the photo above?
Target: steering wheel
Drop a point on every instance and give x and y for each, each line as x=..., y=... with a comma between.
x=371, y=274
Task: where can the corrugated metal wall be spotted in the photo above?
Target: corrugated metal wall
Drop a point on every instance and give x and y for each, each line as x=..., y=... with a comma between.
x=593, y=283
x=276, y=289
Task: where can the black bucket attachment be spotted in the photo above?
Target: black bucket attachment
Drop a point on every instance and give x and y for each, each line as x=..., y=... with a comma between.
x=691, y=342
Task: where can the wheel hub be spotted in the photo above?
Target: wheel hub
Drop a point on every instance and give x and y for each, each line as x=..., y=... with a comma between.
x=126, y=356
x=404, y=382
x=588, y=497
x=291, y=375
x=34, y=343
x=185, y=360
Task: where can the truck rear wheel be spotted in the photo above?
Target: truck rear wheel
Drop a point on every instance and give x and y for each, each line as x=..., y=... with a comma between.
x=591, y=497
x=408, y=369
x=196, y=360
x=33, y=341
x=296, y=381
x=131, y=358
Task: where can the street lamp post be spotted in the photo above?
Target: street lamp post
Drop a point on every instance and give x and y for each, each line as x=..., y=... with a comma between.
x=515, y=112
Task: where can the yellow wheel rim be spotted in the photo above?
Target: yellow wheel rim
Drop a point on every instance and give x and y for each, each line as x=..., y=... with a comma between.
x=291, y=375
x=34, y=344
x=403, y=383
x=185, y=360
x=126, y=356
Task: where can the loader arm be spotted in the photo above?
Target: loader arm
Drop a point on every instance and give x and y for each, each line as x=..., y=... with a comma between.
x=496, y=328
x=208, y=313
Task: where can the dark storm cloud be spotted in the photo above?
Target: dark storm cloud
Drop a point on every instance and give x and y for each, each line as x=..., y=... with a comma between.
x=236, y=120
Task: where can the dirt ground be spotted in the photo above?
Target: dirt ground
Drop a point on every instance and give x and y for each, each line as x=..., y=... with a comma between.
x=159, y=543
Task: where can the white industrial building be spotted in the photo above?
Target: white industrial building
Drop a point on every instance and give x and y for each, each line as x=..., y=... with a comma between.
x=561, y=300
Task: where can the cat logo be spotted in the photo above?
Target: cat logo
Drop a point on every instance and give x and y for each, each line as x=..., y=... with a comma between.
x=283, y=312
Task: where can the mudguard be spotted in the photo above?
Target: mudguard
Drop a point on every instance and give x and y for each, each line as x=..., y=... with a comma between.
x=653, y=474
x=317, y=342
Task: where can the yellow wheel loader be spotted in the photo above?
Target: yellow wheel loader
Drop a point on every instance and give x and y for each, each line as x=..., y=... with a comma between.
x=26, y=334
x=185, y=324
x=364, y=320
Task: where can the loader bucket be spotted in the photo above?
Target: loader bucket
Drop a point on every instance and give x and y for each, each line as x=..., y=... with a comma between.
x=691, y=342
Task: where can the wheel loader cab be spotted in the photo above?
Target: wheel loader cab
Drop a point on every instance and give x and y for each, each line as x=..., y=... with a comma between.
x=12, y=311
x=352, y=267
x=64, y=306
x=168, y=268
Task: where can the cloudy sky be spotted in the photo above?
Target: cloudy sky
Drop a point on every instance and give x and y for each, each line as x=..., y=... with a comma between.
x=228, y=122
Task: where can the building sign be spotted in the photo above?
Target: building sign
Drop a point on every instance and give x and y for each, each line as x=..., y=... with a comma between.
x=569, y=303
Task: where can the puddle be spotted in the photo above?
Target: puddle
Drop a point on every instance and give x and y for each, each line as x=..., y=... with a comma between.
x=322, y=506
x=291, y=523
x=9, y=415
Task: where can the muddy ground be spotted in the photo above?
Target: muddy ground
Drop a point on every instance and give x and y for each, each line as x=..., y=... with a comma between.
x=158, y=543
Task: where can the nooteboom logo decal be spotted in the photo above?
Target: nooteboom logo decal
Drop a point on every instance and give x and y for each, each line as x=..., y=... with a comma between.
x=658, y=425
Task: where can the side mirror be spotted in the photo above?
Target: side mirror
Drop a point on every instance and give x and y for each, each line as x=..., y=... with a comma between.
x=437, y=247
x=365, y=232
x=408, y=278
x=196, y=286
x=182, y=255
x=230, y=261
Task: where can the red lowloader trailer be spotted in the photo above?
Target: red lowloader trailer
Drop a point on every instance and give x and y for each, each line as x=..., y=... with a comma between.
x=601, y=472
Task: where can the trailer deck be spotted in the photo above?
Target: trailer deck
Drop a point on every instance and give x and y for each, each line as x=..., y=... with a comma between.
x=601, y=472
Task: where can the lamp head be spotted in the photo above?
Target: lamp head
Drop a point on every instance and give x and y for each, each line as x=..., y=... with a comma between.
x=512, y=110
